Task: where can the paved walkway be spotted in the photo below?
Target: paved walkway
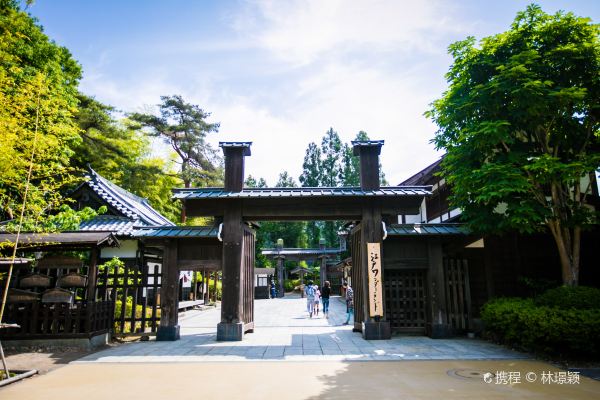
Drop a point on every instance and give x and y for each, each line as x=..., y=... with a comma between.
x=283, y=331
x=427, y=380
x=199, y=367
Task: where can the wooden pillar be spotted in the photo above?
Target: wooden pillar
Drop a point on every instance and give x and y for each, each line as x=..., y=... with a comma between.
x=323, y=270
x=205, y=288
x=371, y=232
x=437, y=319
x=280, y=276
x=302, y=284
x=169, y=327
x=92, y=275
x=231, y=326
x=215, y=286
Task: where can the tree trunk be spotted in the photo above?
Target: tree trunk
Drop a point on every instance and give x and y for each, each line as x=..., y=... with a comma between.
x=568, y=255
x=187, y=184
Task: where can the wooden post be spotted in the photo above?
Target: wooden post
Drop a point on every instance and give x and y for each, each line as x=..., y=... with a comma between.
x=215, y=286
x=234, y=164
x=371, y=232
x=280, y=276
x=438, y=326
x=323, y=270
x=92, y=275
x=368, y=151
x=168, y=329
x=232, y=325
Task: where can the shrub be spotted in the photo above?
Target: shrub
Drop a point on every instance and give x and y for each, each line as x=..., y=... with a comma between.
x=128, y=311
x=539, y=328
x=290, y=284
x=565, y=297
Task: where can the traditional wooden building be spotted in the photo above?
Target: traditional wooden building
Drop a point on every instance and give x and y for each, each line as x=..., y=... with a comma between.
x=53, y=299
x=475, y=268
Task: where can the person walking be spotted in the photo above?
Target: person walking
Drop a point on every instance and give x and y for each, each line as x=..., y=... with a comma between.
x=325, y=294
x=273, y=291
x=349, y=303
x=309, y=291
x=317, y=300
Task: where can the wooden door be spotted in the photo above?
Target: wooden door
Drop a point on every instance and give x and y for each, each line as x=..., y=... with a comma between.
x=406, y=300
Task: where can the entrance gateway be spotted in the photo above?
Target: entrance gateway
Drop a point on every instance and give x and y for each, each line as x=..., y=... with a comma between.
x=369, y=206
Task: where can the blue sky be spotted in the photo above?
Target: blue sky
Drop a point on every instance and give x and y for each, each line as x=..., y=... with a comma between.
x=280, y=73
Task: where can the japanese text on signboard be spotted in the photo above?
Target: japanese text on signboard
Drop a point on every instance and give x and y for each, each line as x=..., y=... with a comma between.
x=375, y=283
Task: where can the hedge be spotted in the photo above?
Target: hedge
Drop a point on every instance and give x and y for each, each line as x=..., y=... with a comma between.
x=565, y=297
x=539, y=328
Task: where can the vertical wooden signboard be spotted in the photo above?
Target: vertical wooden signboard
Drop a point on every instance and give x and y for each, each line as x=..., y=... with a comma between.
x=375, y=283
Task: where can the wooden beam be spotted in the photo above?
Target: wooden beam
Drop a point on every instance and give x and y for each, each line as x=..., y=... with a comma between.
x=302, y=208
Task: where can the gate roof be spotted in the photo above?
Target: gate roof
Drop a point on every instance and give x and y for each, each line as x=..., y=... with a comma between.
x=325, y=203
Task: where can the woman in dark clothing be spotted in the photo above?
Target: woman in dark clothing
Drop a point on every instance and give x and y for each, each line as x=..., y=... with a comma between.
x=325, y=293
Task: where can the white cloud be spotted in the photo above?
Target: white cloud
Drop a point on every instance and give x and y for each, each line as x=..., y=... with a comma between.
x=302, y=31
x=372, y=66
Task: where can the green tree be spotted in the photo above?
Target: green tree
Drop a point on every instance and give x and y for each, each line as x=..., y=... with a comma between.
x=38, y=97
x=251, y=182
x=331, y=161
x=311, y=167
x=292, y=233
x=184, y=127
x=520, y=126
x=285, y=180
x=122, y=154
x=351, y=164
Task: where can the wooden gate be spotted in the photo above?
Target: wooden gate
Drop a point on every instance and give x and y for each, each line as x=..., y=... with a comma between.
x=458, y=294
x=135, y=289
x=406, y=300
x=248, y=254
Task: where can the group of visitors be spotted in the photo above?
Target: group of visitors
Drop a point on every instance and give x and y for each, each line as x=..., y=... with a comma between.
x=314, y=296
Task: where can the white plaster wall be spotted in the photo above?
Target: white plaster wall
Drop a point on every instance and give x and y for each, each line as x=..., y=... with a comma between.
x=128, y=249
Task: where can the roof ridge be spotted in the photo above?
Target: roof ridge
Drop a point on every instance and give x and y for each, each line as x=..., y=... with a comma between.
x=113, y=193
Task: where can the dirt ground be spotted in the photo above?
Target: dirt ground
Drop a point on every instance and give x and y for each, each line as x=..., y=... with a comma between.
x=298, y=380
x=43, y=360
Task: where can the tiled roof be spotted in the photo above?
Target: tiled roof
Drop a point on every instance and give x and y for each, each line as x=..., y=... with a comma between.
x=121, y=226
x=426, y=229
x=244, y=145
x=60, y=239
x=394, y=191
x=424, y=175
x=368, y=142
x=129, y=205
x=176, y=231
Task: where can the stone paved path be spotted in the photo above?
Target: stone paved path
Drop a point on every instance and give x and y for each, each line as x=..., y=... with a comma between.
x=283, y=331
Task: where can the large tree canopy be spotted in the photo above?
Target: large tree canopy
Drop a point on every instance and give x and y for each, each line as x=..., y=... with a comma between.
x=123, y=155
x=520, y=126
x=38, y=96
x=333, y=164
x=184, y=126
